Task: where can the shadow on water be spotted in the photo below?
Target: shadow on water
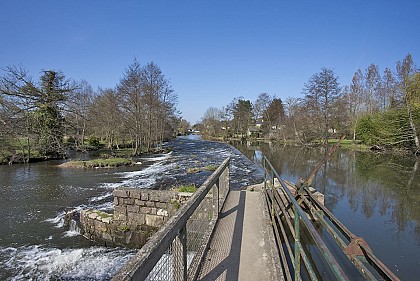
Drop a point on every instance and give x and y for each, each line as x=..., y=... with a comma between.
x=375, y=195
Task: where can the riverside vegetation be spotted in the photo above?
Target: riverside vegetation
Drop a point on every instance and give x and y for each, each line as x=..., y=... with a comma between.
x=42, y=119
x=380, y=111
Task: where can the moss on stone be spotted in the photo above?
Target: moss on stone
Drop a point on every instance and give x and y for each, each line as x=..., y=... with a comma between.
x=187, y=188
x=210, y=167
x=123, y=228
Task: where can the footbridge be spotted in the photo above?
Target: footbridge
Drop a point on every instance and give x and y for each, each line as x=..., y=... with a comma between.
x=272, y=231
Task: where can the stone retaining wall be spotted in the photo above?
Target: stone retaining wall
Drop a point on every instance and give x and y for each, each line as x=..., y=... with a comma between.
x=138, y=214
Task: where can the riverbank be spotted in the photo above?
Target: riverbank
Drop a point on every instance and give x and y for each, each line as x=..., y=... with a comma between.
x=352, y=145
x=103, y=156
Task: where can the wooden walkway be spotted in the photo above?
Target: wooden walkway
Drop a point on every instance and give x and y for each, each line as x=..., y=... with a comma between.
x=243, y=246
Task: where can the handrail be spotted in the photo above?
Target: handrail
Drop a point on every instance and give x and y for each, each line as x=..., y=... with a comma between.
x=172, y=237
x=300, y=214
x=354, y=248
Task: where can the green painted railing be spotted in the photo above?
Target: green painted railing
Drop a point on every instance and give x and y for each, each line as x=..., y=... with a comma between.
x=306, y=231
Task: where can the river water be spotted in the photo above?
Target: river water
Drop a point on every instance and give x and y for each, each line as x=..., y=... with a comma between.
x=35, y=244
x=376, y=196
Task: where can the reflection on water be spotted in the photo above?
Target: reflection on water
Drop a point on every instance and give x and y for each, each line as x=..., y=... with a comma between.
x=376, y=196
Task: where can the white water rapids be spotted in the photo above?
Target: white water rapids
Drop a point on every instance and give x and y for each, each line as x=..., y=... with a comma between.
x=58, y=252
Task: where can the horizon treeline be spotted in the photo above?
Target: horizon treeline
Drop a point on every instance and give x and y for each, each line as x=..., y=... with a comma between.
x=377, y=108
x=41, y=118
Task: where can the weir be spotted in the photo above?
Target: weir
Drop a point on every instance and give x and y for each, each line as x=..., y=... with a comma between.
x=272, y=231
x=138, y=214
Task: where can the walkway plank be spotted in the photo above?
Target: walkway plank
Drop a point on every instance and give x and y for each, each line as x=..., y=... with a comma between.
x=242, y=247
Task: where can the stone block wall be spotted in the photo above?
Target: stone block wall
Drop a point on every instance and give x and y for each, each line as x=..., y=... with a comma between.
x=150, y=207
x=101, y=227
x=138, y=214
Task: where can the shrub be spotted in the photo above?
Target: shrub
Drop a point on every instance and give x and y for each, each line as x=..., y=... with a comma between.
x=93, y=141
x=366, y=130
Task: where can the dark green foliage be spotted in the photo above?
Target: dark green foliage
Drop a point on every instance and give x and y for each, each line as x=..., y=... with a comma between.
x=94, y=141
x=70, y=140
x=242, y=116
x=48, y=127
x=389, y=128
x=48, y=119
x=366, y=130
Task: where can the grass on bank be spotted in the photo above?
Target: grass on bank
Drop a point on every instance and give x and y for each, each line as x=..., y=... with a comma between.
x=99, y=163
x=350, y=144
x=187, y=188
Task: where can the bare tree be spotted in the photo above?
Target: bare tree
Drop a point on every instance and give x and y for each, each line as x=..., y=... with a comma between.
x=183, y=126
x=260, y=105
x=106, y=117
x=373, y=86
x=159, y=103
x=292, y=118
x=320, y=92
x=356, y=99
x=77, y=111
x=212, y=121
x=132, y=103
x=389, y=97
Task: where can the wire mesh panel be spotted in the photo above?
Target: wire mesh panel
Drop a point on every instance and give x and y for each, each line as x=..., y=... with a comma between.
x=176, y=251
x=198, y=224
x=163, y=269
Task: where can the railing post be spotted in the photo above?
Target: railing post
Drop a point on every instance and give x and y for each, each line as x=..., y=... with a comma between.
x=223, y=186
x=265, y=175
x=272, y=197
x=179, y=253
x=226, y=179
x=297, y=244
x=216, y=203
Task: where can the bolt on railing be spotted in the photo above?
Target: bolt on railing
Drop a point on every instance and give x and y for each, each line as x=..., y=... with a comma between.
x=176, y=251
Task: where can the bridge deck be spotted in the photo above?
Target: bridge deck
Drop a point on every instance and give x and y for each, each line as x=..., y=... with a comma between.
x=242, y=247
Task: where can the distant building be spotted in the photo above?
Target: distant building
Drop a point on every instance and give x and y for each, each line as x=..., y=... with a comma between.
x=253, y=131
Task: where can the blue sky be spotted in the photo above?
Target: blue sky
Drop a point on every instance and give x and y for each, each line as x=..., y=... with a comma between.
x=212, y=51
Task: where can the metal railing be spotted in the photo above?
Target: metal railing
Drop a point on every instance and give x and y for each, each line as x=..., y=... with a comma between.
x=307, y=231
x=176, y=251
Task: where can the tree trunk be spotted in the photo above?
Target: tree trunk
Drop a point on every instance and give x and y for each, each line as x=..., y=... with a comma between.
x=354, y=130
x=29, y=149
x=413, y=127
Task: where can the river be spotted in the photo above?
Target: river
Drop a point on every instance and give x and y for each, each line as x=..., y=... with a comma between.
x=376, y=196
x=35, y=244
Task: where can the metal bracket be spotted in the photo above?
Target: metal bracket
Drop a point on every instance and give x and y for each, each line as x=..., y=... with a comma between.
x=355, y=249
